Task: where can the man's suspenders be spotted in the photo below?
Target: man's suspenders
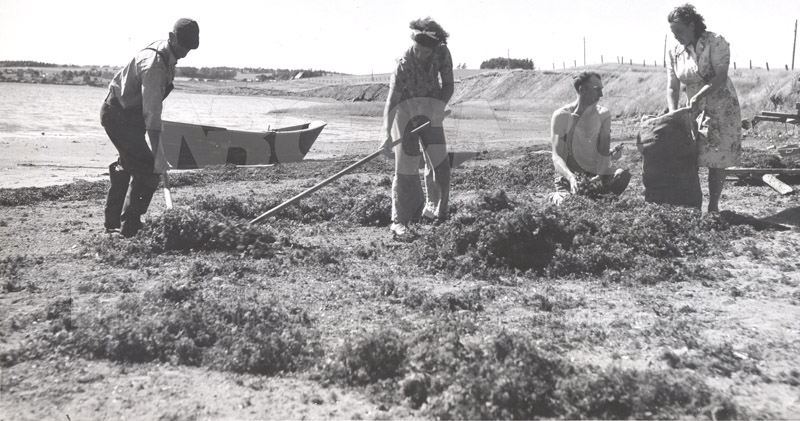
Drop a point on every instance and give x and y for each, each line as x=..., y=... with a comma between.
x=170, y=86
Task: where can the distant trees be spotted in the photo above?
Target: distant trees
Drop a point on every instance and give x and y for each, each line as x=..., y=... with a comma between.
x=37, y=72
x=56, y=75
x=261, y=74
x=506, y=63
x=219, y=73
x=228, y=73
x=284, y=74
x=27, y=63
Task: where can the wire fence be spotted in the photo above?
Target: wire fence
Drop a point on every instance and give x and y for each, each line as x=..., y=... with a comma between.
x=662, y=63
x=564, y=65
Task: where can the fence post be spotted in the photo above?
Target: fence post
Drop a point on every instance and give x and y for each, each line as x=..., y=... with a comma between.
x=554, y=65
x=751, y=64
x=601, y=59
x=787, y=67
x=631, y=61
x=734, y=65
x=574, y=63
x=767, y=66
x=563, y=65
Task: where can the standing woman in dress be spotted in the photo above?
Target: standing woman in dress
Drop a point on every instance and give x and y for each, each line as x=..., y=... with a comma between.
x=416, y=97
x=700, y=61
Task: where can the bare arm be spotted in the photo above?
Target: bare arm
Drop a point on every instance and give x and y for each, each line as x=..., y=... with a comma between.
x=673, y=85
x=560, y=152
x=720, y=78
x=389, y=114
x=448, y=85
x=158, y=151
x=447, y=91
x=390, y=111
x=559, y=160
x=673, y=92
x=720, y=57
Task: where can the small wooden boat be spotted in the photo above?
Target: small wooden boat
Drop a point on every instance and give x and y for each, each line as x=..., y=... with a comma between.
x=189, y=146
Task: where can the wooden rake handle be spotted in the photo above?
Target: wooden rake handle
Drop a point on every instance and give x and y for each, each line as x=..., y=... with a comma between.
x=167, y=193
x=330, y=179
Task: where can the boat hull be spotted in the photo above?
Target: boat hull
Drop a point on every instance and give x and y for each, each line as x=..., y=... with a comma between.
x=188, y=146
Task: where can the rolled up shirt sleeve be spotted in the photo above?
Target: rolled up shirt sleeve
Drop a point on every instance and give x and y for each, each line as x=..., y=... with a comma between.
x=154, y=81
x=446, y=69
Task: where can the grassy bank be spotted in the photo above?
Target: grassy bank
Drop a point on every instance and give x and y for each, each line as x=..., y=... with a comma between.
x=630, y=91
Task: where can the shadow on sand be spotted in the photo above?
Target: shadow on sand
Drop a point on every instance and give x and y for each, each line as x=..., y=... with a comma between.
x=763, y=224
x=790, y=216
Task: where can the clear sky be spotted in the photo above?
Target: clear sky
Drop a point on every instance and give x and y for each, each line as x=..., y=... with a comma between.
x=364, y=36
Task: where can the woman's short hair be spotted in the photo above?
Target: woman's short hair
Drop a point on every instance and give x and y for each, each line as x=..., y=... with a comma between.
x=583, y=77
x=687, y=14
x=429, y=25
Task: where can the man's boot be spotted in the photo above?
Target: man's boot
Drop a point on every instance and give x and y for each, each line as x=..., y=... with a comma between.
x=120, y=178
x=136, y=203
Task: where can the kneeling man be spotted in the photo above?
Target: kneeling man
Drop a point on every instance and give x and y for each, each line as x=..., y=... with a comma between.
x=581, y=133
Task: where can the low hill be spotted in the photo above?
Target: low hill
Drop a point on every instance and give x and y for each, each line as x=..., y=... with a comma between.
x=629, y=90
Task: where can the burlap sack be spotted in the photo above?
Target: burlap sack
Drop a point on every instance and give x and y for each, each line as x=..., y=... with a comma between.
x=669, y=168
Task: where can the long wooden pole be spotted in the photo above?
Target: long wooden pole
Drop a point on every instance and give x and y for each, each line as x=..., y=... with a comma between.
x=330, y=179
x=167, y=193
x=165, y=177
x=762, y=171
x=584, y=51
x=794, y=44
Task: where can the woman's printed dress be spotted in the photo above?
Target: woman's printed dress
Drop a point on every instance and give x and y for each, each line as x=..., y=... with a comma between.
x=721, y=118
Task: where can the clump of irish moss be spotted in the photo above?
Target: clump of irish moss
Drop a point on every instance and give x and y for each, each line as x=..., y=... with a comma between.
x=507, y=376
x=181, y=324
x=532, y=169
x=504, y=377
x=489, y=233
x=757, y=158
x=618, y=393
x=358, y=203
x=720, y=359
x=231, y=206
x=181, y=229
x=369, y=357
x=10, y=267
x=185, y=230
x=493, y=236
x=76, y=191
x=431, y=302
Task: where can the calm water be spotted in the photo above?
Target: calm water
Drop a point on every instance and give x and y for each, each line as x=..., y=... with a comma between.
x=51, y=134
x=58, y=110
